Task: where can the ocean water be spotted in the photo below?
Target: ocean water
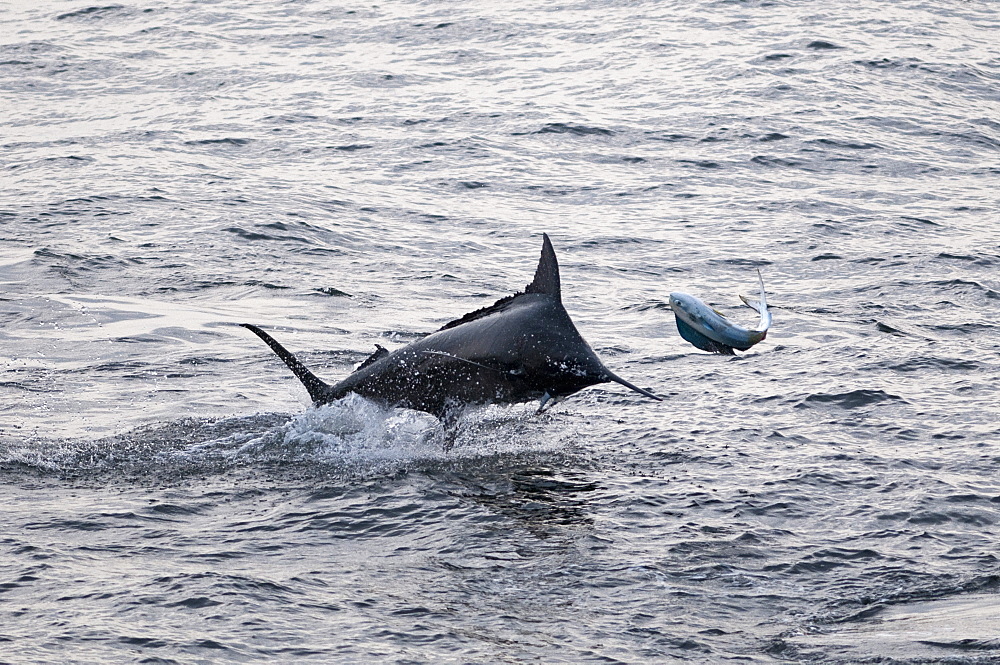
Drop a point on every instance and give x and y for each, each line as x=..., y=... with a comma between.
x=345, y=174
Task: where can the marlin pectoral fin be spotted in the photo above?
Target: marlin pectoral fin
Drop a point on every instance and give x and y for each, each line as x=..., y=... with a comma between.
x=550, y=400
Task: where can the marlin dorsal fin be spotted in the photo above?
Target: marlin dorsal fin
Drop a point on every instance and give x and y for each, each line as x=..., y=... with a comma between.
x=547, y=274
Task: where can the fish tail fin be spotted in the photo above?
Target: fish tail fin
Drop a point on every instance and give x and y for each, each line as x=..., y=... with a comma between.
x=318, y=389
x=617, y=379
x=759, y=306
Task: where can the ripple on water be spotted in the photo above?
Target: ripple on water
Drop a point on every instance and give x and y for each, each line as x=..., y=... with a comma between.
x=852, y=399
x=959, y=629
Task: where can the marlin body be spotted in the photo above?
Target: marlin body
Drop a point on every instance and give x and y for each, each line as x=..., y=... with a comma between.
x=709, y=330
x=522, y=348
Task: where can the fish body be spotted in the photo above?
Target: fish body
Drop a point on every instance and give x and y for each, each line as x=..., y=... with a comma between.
x=709, y=330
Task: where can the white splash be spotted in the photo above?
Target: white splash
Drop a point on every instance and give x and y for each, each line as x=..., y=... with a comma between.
x=354, y=432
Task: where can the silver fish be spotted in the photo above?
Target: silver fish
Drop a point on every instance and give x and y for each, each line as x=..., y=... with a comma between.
x=709, y=330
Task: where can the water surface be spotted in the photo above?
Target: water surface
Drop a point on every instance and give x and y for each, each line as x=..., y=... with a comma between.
x=345, y=175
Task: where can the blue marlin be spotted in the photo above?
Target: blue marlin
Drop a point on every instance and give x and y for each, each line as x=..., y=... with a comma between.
x=709, y=330
x=522, y=348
